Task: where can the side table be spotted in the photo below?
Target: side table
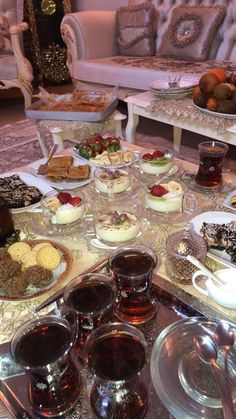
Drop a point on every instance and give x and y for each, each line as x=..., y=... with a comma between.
x=181, y=114
x=76, y=130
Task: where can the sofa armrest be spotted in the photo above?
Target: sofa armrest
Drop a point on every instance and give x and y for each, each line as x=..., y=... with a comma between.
x=25, y=69
x=88, y=35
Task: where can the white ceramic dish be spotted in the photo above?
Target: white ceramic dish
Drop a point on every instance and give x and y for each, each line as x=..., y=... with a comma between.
x=166, y=95
x=185, y=83
x=217, y=114
x=29, y=180
x=33, y=167
x=227, y=200
x=216, y=217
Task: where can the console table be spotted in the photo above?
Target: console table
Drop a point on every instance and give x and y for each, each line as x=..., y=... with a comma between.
x=181, y=114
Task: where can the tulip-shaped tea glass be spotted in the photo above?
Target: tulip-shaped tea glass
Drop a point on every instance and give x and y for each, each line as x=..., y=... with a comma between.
x=132, y=268
x=116, y=353
x=212, y=155
x=42, y=346
x=89, y=298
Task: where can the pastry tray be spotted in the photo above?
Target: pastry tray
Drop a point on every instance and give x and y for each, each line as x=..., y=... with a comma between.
x=33, y=113
x=13, y=391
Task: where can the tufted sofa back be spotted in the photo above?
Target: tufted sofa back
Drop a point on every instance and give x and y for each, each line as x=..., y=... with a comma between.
x=13, y=10
x=223, y=48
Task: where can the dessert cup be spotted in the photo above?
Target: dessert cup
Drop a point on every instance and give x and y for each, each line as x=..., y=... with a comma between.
x=64, y=212
x=112, y=181
x=156, y=161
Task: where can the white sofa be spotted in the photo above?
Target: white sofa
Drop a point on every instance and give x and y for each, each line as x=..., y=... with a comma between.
x=93, y=55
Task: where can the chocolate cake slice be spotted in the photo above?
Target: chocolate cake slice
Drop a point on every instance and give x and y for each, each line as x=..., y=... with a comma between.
x=221, y=237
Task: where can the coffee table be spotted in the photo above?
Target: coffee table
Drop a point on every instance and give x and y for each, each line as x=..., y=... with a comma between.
x=181, y=114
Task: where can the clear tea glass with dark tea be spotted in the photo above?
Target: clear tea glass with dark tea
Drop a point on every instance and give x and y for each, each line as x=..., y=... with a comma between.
x=42, y=346
x=90, y=298
x=212, y=155
x=132, y=268
x=116, y=353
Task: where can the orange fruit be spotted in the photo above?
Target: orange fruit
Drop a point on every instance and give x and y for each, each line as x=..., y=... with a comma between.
x=196, y=90
x=211, y=104
x=219, y=73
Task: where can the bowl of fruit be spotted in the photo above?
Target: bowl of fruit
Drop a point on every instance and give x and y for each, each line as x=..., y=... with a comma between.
x=63, y=208
x=216, y=93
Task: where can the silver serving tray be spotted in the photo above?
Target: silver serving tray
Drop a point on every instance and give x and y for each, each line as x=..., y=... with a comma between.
x=33, y=113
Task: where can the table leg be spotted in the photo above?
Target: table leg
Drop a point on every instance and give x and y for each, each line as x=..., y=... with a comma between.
x=177, y=132
x=133, y=120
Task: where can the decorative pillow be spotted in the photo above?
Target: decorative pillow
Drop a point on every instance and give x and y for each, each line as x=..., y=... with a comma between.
x=136, y=28
x=5, y=43
x=191, y=32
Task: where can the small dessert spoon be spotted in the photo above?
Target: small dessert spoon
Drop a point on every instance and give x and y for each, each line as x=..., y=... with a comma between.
x=224, y=337
x=203, y=268
x=207, y=352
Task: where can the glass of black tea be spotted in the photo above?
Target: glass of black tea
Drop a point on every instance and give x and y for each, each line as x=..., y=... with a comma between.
x=42, y=346
x=90, y=298
x=132, y=268
x=212, y=155
x=116, y=353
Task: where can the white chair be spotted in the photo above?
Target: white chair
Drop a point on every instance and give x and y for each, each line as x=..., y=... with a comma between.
x=15, y=69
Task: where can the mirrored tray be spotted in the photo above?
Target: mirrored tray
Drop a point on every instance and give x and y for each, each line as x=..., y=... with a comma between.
x=191, y=392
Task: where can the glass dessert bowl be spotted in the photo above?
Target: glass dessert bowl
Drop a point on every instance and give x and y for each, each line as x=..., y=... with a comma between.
x=119, y=223
x=165, y=197
x=64, y=208
x=112, y=181
x=156, y=161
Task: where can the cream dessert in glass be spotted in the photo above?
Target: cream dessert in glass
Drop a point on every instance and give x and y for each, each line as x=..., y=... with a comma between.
x=119, y=223
x=156, y=162
x=165, y=197
x=63, y=207
x=112, y=181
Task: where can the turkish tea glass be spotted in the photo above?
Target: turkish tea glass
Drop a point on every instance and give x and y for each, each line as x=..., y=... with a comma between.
x=42, y=346
x=116, y=353
x=212, y=155
x=90, y=299
x=131, y=268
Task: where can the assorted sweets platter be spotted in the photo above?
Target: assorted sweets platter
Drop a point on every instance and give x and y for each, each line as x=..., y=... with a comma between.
x=63, y=172
x=31, y=268
x=22, y=190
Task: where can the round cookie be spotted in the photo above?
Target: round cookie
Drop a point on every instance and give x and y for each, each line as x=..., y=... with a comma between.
x=16, y=250
x=40, y=245
x=29, y=259
x=48, y=257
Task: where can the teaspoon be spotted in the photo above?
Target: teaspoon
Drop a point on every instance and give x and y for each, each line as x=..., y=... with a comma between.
x=224, y=337
x=207, y=352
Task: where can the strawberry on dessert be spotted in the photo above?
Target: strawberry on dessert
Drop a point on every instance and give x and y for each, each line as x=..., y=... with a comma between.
x=63, y=207
x=156, y=162
x=165, y=197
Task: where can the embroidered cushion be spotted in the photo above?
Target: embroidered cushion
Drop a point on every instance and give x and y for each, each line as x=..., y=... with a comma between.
x=191, y=32
x=136, y=28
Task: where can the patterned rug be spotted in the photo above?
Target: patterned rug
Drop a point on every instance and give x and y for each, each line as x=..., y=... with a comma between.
x=19, y=145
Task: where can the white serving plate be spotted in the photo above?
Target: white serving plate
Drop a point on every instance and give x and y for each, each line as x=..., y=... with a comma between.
x=33, y=167
x=168, y=95
x=217, y=114
x=30, y=180
x=216, y=217
x=227, y=200
x=185, y=83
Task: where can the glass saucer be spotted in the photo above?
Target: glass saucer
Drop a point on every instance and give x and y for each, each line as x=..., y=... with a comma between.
x=182, y=381
x=189, y=176
x=37, y=225
x=136, y=190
